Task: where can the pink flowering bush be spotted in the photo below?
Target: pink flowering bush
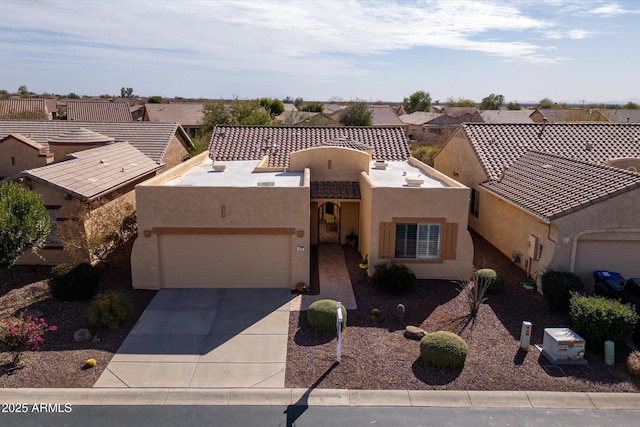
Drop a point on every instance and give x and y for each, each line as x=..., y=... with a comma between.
x=18, y=335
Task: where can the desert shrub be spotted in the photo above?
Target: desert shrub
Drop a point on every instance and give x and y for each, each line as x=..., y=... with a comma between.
x=111, y=309
x=71, y=282
x=393, y=278
x=18, y=335
x=496, y=280
x=443, y=349
x=633, y=363
x=322, y=315
x=557, y=287
x=597, y=319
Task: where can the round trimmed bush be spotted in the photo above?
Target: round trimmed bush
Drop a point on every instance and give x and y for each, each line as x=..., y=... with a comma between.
x=557, y=287
x=74, y=282
x=111, y=310
x=496, y=279
x=322, y=315
x=633, y=363
x=443, y=349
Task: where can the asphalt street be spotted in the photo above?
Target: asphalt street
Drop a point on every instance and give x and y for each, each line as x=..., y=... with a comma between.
x=315, y=416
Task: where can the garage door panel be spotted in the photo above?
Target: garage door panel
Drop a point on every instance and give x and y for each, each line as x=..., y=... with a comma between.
x=222, y=261
x=622, y=256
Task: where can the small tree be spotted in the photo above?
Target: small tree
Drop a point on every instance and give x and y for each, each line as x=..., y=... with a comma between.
x=492, y=102
x=314, y=107
x=274, y=107
x=155, y=99
x=460, y=102
x=513, y=106
x=546, y=103
x=418, y=101
x=24, y=222
x=630, y=106
x=357, y=114
x=126, y=92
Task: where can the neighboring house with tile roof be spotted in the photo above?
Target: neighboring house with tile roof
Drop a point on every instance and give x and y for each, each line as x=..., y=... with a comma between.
x=552, y=115
x=418, y=125
x=622, y=115
x=18, y=153
x=98, y=111
x=93, y=178
x=162, y=142
x=24, y=109
x=547, y=196
x=270, y=193
x=189, y=115
x=381, y=115
x=506, y=116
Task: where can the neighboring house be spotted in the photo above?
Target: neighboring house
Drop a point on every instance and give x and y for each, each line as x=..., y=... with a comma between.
x=18, y=153
x=622, y=115
x=552, y=115
x=546, y=195
x=94, y=177
x=417, y=124
x=506, y=116
x=318, y=120
x=385, y=115
x=189, y=115
x=162, y=142
x=249, y=216
x=98, y=111
x=24, y=109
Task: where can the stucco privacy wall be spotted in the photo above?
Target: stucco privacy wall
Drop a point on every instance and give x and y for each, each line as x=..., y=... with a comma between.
x=449, y=204
x=200, y=210
x=331, y=163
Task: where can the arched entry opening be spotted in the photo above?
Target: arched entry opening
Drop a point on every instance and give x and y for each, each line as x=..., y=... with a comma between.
x=329, y=223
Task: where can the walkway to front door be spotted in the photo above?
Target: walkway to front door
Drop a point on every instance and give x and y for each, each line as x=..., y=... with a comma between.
x=334, y=279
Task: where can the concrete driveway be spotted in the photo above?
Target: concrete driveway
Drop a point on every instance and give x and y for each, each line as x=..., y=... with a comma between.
x=218, y=338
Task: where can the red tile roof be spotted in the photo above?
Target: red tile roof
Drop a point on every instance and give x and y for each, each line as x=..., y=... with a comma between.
x=92, y=111
x=498, y=146
x=23, y=109
x=551, y=186
x=229, y=143
x=335, y=190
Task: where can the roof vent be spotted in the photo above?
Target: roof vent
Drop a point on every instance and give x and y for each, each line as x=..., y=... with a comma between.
x=589, y=146
x=266, y=183
x=414, y=182
x=546, y=166
x=380, y=164
x=219, y=167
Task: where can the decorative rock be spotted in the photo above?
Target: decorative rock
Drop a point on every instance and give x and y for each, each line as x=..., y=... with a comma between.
x=32, y=312
x=414, y=333
x=82, y=335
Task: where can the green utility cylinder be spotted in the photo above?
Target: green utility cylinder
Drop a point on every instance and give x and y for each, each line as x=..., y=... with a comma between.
x=609, y=353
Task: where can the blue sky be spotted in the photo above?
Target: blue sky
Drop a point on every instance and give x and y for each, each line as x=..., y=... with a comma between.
x=569, y=51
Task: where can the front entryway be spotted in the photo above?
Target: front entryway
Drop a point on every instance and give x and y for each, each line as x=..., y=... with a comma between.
x=329, y=223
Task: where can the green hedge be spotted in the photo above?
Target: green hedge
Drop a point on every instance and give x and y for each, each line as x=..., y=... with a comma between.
x=393, y=278
x=557, y=287
x=443, y=349
x=322, y=315
x=74, y=282
x=597, y=319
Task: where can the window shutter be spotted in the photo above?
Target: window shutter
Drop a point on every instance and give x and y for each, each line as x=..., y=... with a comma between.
x=449, y=240
x=386, y=240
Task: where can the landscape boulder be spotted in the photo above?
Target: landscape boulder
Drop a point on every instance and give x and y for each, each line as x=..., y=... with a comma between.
x=414, y=333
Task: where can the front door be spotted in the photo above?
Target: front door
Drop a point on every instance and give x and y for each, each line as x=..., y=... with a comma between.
x=329, y=223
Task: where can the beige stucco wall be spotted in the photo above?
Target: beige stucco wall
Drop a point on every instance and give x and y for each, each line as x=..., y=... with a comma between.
x=449, y=203
x=26, y=157
x=350, y=220
x=200, y=210
x=331, y=163
x=630, y=163
x=175, y=153
x=61, y=150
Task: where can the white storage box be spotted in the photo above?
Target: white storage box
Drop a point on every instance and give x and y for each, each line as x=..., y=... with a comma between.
x=562, y=345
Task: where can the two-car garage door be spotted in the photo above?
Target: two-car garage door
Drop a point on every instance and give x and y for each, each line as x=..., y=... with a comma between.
x=621, y=255
x=225, y=260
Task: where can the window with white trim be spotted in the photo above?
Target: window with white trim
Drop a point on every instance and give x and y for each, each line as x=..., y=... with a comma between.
x=417, y=240
x=52, y=239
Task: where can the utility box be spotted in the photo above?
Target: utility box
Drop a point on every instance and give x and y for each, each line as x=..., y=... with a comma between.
x=563, y=346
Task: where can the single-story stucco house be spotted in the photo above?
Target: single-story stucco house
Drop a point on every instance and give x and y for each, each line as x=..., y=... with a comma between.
x=246, y=213
x=563, y=196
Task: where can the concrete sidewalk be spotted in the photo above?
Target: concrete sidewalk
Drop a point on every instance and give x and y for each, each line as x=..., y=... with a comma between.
x=325, y=397
x=205, y=338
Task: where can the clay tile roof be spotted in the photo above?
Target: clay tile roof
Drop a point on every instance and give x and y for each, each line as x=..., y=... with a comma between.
x=23, y=109
x=152, y=139
x=92, y=111
x=551, y=186
x=92, y=173
x=335, y=190
x=184, y=113
x=229, y=143
x=81, y=136
x=498, y=146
